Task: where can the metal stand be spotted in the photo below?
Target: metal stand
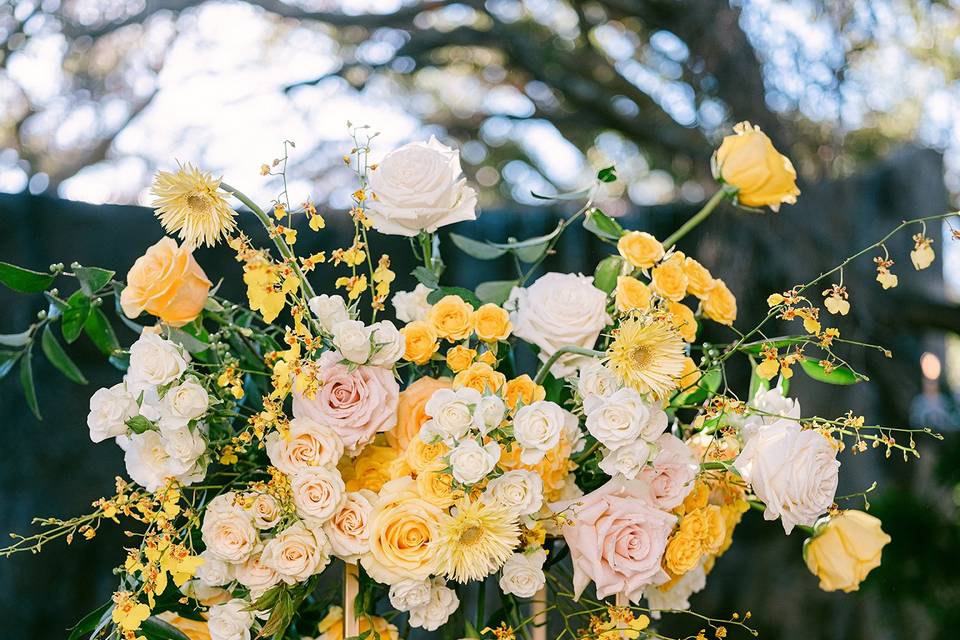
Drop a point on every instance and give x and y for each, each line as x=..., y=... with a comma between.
x=351, y=587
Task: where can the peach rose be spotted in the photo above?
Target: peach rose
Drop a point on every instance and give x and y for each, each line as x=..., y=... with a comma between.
x=348, y=529
x=356, y=404
x=166, y=282
x=492, y=323
x=410, y=410
x=452, y=318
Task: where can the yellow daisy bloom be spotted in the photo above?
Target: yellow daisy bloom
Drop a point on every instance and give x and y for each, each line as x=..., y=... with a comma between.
x=188, y=202
x=647, y=354
x=475, y=540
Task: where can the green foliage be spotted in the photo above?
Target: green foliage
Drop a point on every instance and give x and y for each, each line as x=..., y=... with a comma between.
x=495, y=291
x=59, y=358
x=24, y=280
x=605, y=277
x=603, y=226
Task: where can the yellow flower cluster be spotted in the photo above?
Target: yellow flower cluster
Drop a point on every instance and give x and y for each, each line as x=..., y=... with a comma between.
x=455, y=320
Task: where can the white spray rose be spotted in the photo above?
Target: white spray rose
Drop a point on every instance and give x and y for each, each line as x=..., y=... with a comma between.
x=329, y=310
x=155, y=361
x=348, y=529
x=214, y=572
x=185, y=445
x=185, y=402
x=519, y=490
x=627, y=460
x=522, y=574
x=409, y=594
x=420, y=187
x=256, y=576
x=471, y=462
x=317, y=494
x=412, y=305
x=352, y=340
x=227, y=530
x=110, y=408
x=148, y=462
x=794, y=471
x=451, y=414
x=388, y=343
x=489, y=413
x=297, y=553
x=537, y=428
x=622, y=417
x=559, y=310
x=595, y=379
x=443, y=602
x=230, y=621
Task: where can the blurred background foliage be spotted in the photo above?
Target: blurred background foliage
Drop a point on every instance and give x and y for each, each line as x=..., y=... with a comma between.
x=95, y=95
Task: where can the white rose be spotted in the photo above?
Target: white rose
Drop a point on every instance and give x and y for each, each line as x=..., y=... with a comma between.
x=672, y=473
x=329, y=310
x=595, y=379
x=227, y=530
x=443, y=602
x=214, y=572
x=147, y=459
x=306, y=444
x=537, y=428
x=792, y=470
x=488, y=414
x=471, y=462
x=266, y=512
x=388, y=344
x=519, y=490
x=185, y=445
x=420, y=187
x=627, y=460
x=230, y=621
x=616, y=420
x=155, y=361
x=409, y=594
x=677, y=597
x=110, y=408
x=412, y=305
x=559, y=310
x=317, y=494
x=256, y=576
x=770, y=406
x=352, y=339
x=297, y=553
x=185, y=402
x=522, y=574
x=348, y=529
x=451, y=414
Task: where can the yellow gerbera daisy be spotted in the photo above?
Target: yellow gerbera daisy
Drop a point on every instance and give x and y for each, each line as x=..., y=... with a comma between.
x=647, y=353
x=189, y=202
x=475, y=540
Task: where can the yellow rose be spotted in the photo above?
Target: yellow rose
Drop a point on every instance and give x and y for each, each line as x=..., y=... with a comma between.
x=699, y=280
x=698, y=497
x=370, y=470
x=451, y=318
x=166, y=282
x=694, y=525
x=410, y=410
x=720, y=306
x=479, y=376
x=331, y=627
x=632, y=294
x=488, y=357
x=193, y=629
x=420, y=340
x=403, y=532
x=749, y=161
x=523, y=389
x=419, y=454
x=683, y=320
x=683, y=553
x=460, y=357
x=399, y=467
x=436, y=486
x=492, y=323
x=640, y=249
x=845, y=550
x=669, y=279
x=716, y=531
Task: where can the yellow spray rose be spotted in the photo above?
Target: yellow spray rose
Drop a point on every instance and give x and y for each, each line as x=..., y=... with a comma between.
x=479, y=376
x=523, y=389
x=845, y=550
x=421, y=341
x=370, y=470
x=720, y=305
x=166, y=282
x=420, y=455
x=631, y=294
x=452, y=318
x=763, y=176
x=436, y=486
x=683, y=553
x=410, y=410
x=699, y=280
x=640, y=249
x=460, y=357
x=492, y=323
x=669, y=279
x=683, y=320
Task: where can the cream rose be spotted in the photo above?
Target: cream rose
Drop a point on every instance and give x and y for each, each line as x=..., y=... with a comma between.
x=110, y=408
x=306, y=444
x=559, y=310
x=352, y=340
x=349, y=528
x=522, y=574
x=329, y=310
x=155, y=361
x=297, y=553
x=451, y=414
x=317, y=494
x=537, y=428
x=388, y=344
x=628, y=460
x=230, y=621
x=147, y=459
x=489, y=414
x=266, y=512
x=412, y=305
x=256, y=576
x=520, y=491
x=471, y=461
x=594, y=379
x=443, y=602
x=185, y=402
x=228, y=530
x=214, y=572
x=410, y=594
x=420, y=187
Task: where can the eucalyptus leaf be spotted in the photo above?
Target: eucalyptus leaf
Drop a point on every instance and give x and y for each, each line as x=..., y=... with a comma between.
x=476, y=248
x=89, y=623
x=15, y=339
x=59, y=358
x=840, y=374
x=495, y=291
x=24, y=280
x=579, y=194
x=7, y=360
x=92, y=279
x=185, y=340
x=26, y=383
x=603, y=226
x=468, y=296
x=426, y=277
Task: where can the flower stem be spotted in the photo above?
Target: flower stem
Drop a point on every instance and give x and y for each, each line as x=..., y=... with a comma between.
x=699, y=217
x=545, y=367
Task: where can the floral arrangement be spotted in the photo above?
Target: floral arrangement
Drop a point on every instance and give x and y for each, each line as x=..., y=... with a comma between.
x=264, y=440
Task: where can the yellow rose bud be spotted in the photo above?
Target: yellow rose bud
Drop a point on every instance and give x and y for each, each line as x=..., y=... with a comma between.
x=669, y=279
x=523, y=389
x=166, y=282
x=749, y=161
x=451, y=318
x=699, y=280
x=640, y=249
x=631, y=295
x=488, y=357
x=421, y=341
x=492, y=323
x=720, y=305
x=845, y=550
x=460, y=357
x=683, y=320
x=479, y=376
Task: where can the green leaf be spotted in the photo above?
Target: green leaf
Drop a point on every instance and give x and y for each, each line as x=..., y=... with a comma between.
x=707, y=385
x=154, y=628
x=569, y=195
x=531, y=249
x=92, y=279
x=495, y=291
x=607, y=174
x=24, y=280
x=75, y=316
x=26, y=382
x=7, y=360
x=59, y=358
x=605, y=277
x=185, y=340
x=603, y=226
x=840, y=374
x=425, y=277
x=90, y=623
x=139, y=424
x=15, y=339
x=98, y=329
x=476, y=248
x=467, y=295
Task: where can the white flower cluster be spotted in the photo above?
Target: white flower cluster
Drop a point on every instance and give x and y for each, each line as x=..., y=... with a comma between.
x=155, y=414
x=380, y=344
x=430, y=602
x=412, y=305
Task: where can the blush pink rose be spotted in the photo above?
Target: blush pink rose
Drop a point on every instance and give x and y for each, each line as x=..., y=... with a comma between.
x=355, y=404
x=617, y=539
x=672, y=474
